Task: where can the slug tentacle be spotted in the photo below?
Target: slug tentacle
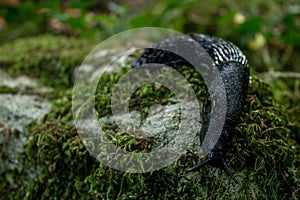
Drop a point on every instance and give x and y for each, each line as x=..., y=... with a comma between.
x=226, y=169
x=216, y=159
x=198, y=166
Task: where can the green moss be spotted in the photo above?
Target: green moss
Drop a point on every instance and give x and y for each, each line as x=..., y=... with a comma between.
x=264, y=145
x=263, y=157
x=51, y=59
x=8, y=90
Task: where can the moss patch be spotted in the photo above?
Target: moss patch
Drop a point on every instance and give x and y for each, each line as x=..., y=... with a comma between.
x=263, y=157
x=8, y=90
x=51, y=59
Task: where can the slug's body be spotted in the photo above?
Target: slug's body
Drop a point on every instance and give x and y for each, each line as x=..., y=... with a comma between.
x=235, y=75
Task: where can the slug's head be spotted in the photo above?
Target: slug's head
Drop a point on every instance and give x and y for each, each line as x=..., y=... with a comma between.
x=138, y=62
x=215, y=159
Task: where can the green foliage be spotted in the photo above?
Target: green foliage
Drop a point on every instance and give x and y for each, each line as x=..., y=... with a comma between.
x=267, y=28
x=167, y=14
x=37, y=16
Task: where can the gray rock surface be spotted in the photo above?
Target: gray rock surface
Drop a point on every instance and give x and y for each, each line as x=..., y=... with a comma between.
x=17, y=111
x=164, y=125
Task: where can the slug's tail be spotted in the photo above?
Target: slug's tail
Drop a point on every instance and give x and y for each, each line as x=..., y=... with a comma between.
x=221, y=164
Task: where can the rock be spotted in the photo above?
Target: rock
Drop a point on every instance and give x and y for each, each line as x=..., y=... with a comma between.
x=20, y=82
x=165, y=124
x=17, y=111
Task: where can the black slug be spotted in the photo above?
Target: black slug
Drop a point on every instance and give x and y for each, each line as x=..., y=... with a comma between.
x=235, y=74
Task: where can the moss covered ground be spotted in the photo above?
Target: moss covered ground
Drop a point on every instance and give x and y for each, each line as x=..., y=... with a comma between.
x=264, y=155
x=50, y=59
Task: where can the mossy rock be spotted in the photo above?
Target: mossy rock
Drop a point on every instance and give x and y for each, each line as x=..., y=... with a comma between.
x=262, y=157
x=49, y=58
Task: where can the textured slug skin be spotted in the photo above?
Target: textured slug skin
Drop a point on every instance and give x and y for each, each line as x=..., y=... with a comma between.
x=235, y=75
